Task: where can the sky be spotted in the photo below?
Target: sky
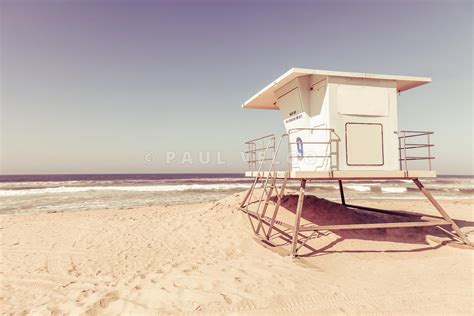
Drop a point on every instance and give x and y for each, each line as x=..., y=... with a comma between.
x=113, y=86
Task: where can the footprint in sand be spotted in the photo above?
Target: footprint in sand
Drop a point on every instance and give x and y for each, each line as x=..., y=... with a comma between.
x=56, y=312
x=103, y=303
x=226, y=298
x=108, y=298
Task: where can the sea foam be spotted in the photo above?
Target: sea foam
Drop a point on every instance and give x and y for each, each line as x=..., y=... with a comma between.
x=147, y=188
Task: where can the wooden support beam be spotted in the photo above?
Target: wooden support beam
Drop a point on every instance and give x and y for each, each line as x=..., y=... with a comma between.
x=277, y=206
x=397, y=213
x=299, y=210
x=442, y=211
x=374, y=225
x=267, y=220
x=297, y=230
x=341, y=190
x=244, y=205
x=247, y=195
x=265, y=205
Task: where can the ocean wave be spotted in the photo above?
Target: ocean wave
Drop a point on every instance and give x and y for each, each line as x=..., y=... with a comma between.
x=359, y=188
x=394, y=189
x=133, y=182
x=150, y=188
x=363, y=188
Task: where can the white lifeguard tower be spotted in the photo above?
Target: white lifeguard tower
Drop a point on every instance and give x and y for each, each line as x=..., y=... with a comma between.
x=339, y=126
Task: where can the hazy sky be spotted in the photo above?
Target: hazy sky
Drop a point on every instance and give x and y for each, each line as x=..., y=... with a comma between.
x=93, y=86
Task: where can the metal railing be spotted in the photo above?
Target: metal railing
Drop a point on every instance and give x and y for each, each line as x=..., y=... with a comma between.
x=405, y=148
x=262, y=146
x=329, y=142
x=266, y=147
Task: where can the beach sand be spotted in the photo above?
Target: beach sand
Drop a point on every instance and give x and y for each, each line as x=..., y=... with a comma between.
x=205, y=258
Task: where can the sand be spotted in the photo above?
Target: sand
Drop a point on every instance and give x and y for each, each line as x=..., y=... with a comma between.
x=204, y=258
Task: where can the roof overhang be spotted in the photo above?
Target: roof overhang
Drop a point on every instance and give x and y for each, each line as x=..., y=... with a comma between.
x=266, y=98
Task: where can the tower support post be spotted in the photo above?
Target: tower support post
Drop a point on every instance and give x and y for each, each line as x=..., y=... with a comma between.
x=299, y=210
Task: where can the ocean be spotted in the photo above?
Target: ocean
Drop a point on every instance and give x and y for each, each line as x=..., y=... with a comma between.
x=50, y=193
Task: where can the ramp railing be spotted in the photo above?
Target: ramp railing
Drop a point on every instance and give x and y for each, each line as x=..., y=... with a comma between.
x=412, y=146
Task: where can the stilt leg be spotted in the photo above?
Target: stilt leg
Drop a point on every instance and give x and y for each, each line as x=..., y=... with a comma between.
x=442, y=211
x=299, y=210
x=341, y=190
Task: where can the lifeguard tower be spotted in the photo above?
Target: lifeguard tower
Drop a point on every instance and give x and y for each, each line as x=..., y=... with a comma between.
x=339, y=126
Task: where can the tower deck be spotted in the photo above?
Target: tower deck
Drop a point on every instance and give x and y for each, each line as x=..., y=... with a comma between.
x=346, y=174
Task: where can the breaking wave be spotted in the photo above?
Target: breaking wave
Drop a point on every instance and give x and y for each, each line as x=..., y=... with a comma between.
x=83, y=192
x=149, y=188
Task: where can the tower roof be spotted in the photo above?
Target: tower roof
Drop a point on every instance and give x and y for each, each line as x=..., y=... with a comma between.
x=266, y=98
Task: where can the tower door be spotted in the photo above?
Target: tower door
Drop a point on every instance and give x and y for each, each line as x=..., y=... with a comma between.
x=364, y=144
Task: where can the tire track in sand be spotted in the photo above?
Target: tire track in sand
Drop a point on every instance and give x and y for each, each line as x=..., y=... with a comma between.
x=335, y=303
